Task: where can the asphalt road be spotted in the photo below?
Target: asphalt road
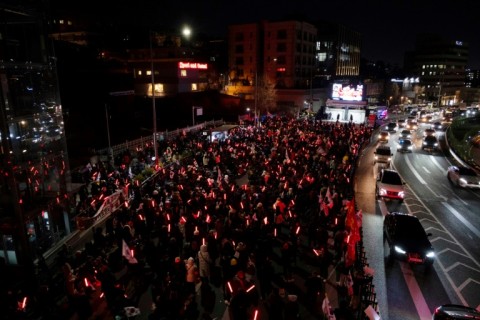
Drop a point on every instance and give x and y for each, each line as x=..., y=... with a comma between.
x=449, y=213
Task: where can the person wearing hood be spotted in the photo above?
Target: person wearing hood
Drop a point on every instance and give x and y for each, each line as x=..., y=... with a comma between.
x=204, y=262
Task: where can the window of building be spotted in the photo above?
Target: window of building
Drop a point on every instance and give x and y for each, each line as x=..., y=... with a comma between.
x=322, y=56
x=299, y=35
x=183, y=72
x=158, y=88
x=149, y=72
x=194, y=87
x=239, y=61
x=281, y=47
x=139, y=72
x=239, y=48
x=239, y=36
x=282, y=34
x=299, y=47
x=281, y=60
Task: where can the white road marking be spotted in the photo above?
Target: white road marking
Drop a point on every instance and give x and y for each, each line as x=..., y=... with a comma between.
x=462, y=219
x=418, y=299
x=409, y=164
x=435, y=162
x=426, y=169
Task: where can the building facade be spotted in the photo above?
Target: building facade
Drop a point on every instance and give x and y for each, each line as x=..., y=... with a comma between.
x=441, y=66
x=276, y=57
x=337, y=51
x=34, y=163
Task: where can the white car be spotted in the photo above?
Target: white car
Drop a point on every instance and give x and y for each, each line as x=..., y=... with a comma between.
x=463, y=177
x=383, y=136
x=390, y=185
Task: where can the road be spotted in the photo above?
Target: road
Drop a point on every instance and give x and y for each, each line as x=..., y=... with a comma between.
x=408, y=292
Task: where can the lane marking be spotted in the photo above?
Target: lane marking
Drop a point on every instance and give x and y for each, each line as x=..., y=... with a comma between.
x=415, y=292
x=462, y=219
x=435, y=162
x=426, y=169
x=417, y=175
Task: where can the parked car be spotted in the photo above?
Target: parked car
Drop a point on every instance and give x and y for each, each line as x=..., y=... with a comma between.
x=390, y=185
x=383, y=154
x=463, y=177
x=430, y=143
x=455, y=312
x=407, y=239
x=405, y=145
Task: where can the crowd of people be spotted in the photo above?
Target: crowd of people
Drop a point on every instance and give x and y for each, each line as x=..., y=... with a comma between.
x=231, y=215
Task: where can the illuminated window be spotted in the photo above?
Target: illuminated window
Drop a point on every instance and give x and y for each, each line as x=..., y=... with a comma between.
x=139, y=72
x=423, y=66
x=149, y=72
x=194, y=87
x=322, y=56
x=183, y=73
x=61, y=21
x=158, y=89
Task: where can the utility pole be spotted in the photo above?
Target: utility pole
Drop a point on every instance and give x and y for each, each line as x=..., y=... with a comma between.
x=155, y=147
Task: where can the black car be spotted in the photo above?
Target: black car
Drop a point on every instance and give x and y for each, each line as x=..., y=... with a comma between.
x=455, y=312
x=407, y=239
x=430, y=143
x=391, y=127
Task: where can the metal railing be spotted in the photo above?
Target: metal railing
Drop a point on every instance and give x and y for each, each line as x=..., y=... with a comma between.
x=142, y=142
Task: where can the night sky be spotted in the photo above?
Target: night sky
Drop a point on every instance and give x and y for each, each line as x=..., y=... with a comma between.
x=388, y=27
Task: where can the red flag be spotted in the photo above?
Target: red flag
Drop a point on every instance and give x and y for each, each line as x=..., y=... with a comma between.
x=354, y=236
x=351, y=222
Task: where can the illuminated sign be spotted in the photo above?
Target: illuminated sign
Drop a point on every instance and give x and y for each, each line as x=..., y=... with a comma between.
x=192, y=65
x=348, y=93
x=280, y=69
x=459, y=43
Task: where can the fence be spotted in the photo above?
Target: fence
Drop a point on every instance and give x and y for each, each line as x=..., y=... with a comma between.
x=140, y=143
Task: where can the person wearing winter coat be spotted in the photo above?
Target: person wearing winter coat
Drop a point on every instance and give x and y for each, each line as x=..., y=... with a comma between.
x=191, y=275
x=204, y=262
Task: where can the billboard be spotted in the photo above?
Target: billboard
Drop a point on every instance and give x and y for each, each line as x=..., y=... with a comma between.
x=347, y=92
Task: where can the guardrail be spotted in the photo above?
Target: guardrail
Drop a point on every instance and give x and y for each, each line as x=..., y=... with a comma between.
x=142, y=142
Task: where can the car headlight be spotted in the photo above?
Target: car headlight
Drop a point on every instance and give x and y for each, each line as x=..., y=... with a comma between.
x=435, y=144
x=382, y=191
x=430, y=254
x=389, y=158
x=399, y=250
x=462, y=181
x=409, y=147
x=376, y=157
x=424, y=142
x=401, y=194
x=379, y=136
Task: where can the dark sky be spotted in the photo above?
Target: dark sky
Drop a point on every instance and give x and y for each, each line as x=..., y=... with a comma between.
x=388, y=27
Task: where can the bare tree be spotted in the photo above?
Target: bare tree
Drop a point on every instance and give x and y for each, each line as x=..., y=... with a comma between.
x=266, y=95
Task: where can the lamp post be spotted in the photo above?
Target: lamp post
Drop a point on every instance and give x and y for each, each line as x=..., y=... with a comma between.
x=110, y=150
x=154, y=109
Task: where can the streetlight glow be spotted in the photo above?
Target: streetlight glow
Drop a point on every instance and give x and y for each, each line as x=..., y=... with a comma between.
x=186, y=31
